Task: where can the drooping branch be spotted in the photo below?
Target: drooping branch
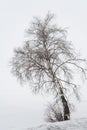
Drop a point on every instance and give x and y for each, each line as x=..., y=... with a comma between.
x=49, y=60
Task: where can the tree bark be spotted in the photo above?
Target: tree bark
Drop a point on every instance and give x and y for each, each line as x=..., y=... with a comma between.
x=66, y=110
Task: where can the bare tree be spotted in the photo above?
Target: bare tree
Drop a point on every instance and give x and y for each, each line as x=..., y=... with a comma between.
x=49, y=61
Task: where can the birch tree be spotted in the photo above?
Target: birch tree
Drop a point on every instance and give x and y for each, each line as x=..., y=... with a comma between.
x=48, y=60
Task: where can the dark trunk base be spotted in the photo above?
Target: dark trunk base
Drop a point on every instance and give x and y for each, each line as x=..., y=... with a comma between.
x=66, y=111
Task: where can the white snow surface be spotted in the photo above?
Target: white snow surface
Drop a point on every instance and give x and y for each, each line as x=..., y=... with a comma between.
x=76, y=124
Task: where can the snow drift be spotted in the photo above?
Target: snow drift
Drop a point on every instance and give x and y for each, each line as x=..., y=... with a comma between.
x=77, y=124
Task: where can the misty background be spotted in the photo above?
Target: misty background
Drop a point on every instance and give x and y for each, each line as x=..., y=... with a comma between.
x=19, y=108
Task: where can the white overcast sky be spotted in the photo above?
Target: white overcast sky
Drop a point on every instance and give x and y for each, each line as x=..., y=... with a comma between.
x=18, y=108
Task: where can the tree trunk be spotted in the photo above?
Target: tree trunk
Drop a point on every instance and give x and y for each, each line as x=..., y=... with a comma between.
x=66, y=110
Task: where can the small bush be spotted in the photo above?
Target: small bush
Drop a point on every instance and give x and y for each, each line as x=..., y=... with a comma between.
x=53, y=113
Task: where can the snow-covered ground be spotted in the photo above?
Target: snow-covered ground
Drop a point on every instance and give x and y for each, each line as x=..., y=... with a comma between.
x=77, y=124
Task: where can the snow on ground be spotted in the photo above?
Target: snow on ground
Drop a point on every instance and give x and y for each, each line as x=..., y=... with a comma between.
x=77, y=124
